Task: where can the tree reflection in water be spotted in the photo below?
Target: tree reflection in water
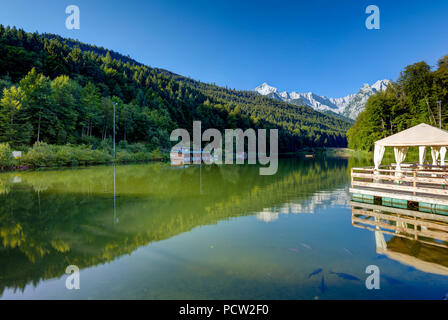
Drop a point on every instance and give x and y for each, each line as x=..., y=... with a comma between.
x=90, y=216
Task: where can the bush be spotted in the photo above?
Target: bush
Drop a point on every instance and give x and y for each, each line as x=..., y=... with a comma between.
x=84, y=155
x=6, y=159
x=40, y=155
x=44, y=155
x=99, y=156
x=124, y=156
x=156, y=154
x=137, y=147
x=106, y=145
x=142, y=156
x=64, y=156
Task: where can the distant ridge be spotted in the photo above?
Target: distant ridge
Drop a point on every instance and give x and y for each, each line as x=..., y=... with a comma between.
x=349, y=106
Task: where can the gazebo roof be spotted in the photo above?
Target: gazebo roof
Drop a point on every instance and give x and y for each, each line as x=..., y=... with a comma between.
x=419, y=135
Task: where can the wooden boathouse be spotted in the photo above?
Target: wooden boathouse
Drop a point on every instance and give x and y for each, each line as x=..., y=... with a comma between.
x=423, y=186
x=186, y=156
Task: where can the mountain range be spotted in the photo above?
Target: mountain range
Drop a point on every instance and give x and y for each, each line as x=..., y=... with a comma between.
x=349, y=106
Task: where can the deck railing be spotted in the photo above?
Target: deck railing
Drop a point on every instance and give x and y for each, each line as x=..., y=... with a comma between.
x=413, y=178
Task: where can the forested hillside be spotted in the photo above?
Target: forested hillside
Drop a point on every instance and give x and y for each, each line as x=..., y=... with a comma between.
x=62, y=91
x=411, y=100
x=299, y=125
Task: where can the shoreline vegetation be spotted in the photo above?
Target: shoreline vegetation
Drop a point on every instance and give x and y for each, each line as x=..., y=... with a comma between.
x=43, y=155
x=47, y=156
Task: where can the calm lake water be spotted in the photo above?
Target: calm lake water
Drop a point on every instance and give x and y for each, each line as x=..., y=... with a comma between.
x=201, y=233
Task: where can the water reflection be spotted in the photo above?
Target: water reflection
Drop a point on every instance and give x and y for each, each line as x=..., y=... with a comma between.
x=317, y=201
x=414, y=238
x=92, y=216
x=161, y=232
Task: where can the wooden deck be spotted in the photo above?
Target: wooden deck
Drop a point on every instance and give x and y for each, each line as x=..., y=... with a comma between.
x=413, y=183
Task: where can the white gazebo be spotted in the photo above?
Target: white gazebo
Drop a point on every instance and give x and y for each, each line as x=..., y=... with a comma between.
x=421, y=136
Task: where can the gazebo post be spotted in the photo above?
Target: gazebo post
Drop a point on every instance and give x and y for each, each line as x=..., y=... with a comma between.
x=435, y=151
x=400, y=156
x=378, y=155
x=421, y=156
x=442, y=156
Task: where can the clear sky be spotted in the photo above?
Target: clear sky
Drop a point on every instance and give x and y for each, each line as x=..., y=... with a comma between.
x=319, y=46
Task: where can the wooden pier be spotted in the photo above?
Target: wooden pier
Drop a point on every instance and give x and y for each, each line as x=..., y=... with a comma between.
x=420, y=186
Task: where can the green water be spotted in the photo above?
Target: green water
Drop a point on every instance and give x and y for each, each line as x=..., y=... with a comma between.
x=210, y=232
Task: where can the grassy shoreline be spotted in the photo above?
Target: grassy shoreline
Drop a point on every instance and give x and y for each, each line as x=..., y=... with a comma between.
x=341, y=152
x=43, y=155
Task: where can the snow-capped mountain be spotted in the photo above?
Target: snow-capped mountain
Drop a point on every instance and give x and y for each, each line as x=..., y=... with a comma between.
x=349, y=106
x=359, y=100
x=265, y=89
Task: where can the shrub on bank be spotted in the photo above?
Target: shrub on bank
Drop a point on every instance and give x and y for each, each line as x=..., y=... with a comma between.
x=46, y=155
x=123, y=156
x=137, y=147
x=157, y=154
x=6, y=159
x=84, y=155
x=40, y=155
x=126, y=156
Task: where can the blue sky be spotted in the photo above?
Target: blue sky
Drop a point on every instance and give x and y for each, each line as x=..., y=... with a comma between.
x=319, y=46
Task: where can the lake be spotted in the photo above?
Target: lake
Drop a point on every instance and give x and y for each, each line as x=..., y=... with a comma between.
x=211, y=232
